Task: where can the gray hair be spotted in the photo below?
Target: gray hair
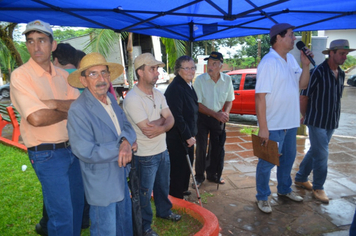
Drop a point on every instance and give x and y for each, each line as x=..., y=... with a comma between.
x=179, y=62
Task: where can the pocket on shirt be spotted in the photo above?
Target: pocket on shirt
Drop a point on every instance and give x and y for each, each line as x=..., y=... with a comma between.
x=223, y=97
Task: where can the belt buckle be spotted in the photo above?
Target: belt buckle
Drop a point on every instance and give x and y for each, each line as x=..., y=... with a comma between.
x=66, y=144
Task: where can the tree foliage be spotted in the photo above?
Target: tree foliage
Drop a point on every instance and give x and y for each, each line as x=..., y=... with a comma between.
x=350, y=62
x=174, y=49
x=6, y=38
x=204, y=47
x=103, y=41
x=64, y=33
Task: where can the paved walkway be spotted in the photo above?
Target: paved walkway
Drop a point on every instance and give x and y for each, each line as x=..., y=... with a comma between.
x=234, y=203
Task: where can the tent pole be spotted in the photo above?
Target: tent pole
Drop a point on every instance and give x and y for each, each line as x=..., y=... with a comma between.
x=191, y=32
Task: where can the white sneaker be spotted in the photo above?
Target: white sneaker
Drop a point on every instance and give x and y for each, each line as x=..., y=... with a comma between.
x=264, y=206
x=292, y=196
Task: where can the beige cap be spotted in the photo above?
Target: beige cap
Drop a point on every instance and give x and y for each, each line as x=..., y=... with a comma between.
x=90, y=60
x=148, y=60
x=38, y=25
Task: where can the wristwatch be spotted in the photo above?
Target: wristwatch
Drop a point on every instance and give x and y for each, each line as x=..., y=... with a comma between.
x=122, y=139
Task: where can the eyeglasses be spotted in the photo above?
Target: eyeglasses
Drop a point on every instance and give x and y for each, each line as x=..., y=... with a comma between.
x=94, y=75
x=189, y=68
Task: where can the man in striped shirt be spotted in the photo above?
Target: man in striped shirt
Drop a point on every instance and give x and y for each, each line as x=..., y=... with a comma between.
x=320, y=105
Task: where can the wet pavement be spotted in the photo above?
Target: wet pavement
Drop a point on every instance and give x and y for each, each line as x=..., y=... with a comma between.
x=234, y=203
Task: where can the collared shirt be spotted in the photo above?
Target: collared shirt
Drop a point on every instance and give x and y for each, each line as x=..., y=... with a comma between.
x=138, y=107
x=324, y=92
x=30, y=84
x=214, y=95
x=279, y=79
x=108, y=108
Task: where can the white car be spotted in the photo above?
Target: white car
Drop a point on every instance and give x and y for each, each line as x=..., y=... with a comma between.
x=163, y=76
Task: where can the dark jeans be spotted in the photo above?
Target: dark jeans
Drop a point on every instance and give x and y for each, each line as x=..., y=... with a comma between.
x=112, y=220
x=154, y=176
x=213, y=162
x=353, y=226
x=85, y=220
x=62, y=187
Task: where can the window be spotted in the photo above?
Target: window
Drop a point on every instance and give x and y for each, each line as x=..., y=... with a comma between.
x=250, y=82
x=236, y=80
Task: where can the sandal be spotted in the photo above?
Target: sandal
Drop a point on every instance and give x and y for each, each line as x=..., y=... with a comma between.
x=198, y=184
x=221, y=181
x=215, y=180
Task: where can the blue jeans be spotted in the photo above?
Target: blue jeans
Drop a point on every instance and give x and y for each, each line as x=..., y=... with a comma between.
x=62, y=188
x=316, y=158
x=112, y=220
x=353, y=226
x=154, y=174
x=287, y=140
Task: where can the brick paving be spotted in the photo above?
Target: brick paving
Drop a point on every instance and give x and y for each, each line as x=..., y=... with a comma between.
x=234, y=203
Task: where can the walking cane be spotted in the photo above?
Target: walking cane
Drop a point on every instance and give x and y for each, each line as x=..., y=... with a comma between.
x=195, y=182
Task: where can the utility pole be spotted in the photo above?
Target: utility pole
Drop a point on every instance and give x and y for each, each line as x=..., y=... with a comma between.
x=258, y=50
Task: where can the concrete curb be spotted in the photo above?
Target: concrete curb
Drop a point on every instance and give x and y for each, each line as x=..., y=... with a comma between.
x=208, y=219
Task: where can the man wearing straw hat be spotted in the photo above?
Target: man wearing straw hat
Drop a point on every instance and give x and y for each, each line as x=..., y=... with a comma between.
x=102, y=138
x=320, y=105
x=41, y=94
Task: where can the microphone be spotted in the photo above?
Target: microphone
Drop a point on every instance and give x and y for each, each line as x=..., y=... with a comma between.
x=301, y=46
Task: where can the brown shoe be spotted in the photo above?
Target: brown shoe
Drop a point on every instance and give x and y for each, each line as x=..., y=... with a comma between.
x=320, y=195
x=307, y=185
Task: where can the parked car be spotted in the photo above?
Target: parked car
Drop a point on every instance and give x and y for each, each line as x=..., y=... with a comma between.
x=352, y=80
x=163, y=76
x=5, y=90
x=244, y=82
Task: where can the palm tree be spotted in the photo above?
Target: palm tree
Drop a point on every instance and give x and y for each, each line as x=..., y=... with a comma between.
x=174, y=49
x=103, y=41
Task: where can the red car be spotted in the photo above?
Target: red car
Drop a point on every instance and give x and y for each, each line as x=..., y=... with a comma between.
x=244, y=82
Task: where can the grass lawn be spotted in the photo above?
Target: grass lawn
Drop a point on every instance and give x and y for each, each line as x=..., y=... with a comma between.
x=21, y=200
x=249, y=130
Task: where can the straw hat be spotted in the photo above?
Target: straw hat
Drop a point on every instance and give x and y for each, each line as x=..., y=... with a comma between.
x=338, y=44
x=90, y=60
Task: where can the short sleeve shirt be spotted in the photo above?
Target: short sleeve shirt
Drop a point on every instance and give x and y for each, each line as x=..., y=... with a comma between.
x=214, y=95
x=108, y=108
x=324, y=92
x=138, y=107
x=30, y=84
x=279, y=79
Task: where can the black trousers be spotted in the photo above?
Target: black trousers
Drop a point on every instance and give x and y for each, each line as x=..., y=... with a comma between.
x=213, y=161
x=180, y=171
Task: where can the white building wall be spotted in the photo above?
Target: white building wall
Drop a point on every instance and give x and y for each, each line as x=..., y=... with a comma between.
x=318, y=44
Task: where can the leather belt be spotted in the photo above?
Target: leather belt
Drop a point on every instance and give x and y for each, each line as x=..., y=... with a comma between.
x=49, y=146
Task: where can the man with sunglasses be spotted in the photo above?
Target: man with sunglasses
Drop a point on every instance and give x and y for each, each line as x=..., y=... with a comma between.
x=41, y=94
x=102, y=138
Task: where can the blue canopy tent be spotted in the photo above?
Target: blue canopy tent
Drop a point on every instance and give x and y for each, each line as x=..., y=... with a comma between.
x=185, y=19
